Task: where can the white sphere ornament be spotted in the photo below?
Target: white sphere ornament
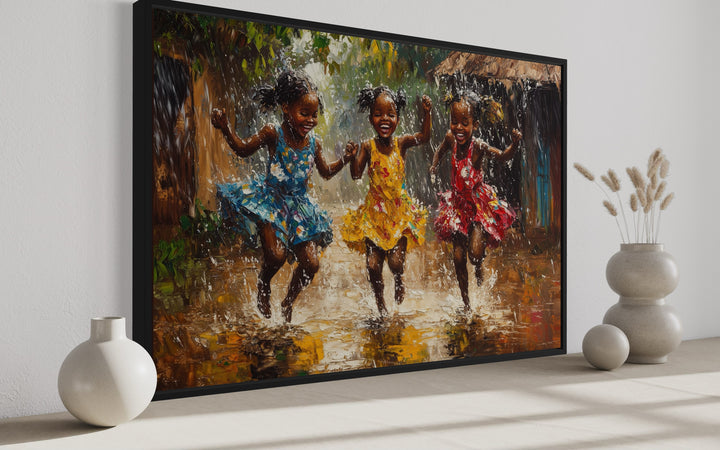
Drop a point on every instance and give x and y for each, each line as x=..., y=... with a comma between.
x=108, y=379
x=606, y=347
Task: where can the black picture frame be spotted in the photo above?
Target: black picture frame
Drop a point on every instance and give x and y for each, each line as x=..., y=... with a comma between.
x=537, y=187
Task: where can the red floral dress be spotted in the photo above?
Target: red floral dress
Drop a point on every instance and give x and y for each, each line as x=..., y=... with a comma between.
x=469, y=201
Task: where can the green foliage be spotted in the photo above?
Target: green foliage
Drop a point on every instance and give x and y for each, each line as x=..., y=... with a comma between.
x=198, y=235
x=174, y=267
x=197, y=67
x=203, y=229
x=221, y=43
x=321, y=41
x=168, y=260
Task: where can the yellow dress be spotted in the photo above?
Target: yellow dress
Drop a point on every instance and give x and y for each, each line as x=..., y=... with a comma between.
x=388, y=213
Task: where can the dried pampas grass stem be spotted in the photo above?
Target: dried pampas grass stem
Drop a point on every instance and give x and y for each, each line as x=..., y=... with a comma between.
x=663, y=206
x=665, y=169
x=607, y=182
x=611, y=209
x=660, y=191
x=614, y=179
x=645, y=201
x=666, y=202
x=584, y=171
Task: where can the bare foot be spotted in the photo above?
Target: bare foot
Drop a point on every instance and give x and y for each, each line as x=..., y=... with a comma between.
x=399, y=291
x=466, y=300
x=479, y=274
x=263, y=299
x=381, y=308
x=287, y=311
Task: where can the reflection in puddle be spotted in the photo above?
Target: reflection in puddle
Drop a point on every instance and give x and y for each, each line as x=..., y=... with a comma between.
x=210, y=332
x=392, y=341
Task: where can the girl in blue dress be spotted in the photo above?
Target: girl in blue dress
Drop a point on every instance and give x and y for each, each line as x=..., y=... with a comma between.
x=275, y=211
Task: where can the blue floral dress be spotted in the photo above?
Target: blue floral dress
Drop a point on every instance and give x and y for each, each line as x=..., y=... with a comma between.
x=279, y=198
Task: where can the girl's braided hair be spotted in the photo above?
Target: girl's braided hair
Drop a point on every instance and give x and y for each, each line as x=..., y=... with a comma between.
x=470, y=97
x=367, y=96
x=485, y=109
x=289, y=87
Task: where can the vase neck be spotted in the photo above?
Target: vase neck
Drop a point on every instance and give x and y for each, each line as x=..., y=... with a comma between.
x=641, y=301
x=107, y=328
x=642, y=247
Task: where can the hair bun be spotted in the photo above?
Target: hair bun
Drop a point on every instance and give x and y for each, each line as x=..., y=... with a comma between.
x=289, y=86
x=367, y=96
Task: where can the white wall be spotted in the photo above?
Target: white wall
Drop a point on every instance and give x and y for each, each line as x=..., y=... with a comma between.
x=641, y=74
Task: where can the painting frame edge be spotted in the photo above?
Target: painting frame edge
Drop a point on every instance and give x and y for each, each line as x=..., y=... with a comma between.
x=142, y=323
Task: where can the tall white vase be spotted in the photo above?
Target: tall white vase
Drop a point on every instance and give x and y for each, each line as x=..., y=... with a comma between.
x=108, y=379
x=643, y=275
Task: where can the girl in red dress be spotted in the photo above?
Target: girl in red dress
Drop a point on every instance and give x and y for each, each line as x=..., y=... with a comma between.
x=470, y=214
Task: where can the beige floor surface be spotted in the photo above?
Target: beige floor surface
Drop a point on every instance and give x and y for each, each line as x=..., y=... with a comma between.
x=557, y=402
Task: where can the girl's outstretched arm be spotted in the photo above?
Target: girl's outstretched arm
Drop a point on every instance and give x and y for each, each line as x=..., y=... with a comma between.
x=243, y=147
x=423, y=135
x=503, y=155
x=444, y=147
x=361, y=159
x=328, y=171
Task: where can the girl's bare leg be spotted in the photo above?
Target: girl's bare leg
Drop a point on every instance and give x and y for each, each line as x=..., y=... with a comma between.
x=308, y=265
x=274, y=255
x=477, y=250
x=461, y=272
x=396, y=263
x=374, y=259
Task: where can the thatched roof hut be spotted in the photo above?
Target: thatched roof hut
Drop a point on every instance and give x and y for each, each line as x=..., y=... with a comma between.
x=498, y=68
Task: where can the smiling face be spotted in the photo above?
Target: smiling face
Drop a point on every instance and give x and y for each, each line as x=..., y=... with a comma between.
x=384, y=116
x=461, y=122
x=302, y=114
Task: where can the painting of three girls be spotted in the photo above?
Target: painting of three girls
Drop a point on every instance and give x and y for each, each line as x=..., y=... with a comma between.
x=325, y=202
x=276, y=213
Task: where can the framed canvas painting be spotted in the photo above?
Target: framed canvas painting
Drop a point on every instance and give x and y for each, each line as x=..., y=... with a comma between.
x=314, y=202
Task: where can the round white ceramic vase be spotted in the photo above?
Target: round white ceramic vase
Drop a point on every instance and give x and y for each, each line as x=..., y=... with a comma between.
x=108, y=379
x=643, y=274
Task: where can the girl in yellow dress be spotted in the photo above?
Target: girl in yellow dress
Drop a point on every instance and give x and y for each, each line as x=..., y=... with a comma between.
x=389, y=223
